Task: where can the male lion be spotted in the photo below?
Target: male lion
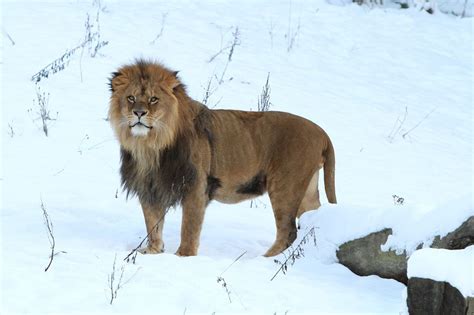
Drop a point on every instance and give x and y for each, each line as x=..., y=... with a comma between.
x=175, y=150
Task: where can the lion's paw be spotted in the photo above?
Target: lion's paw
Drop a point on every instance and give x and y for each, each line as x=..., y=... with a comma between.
x=150, y=250
x=185, y=252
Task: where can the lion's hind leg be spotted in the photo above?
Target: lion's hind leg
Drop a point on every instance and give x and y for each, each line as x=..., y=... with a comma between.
x=285, y=199
x=311, y=197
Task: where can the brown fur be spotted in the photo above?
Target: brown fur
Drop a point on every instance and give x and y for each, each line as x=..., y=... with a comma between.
x=187, y=154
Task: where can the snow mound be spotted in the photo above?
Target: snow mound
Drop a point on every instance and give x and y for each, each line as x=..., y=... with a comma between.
x=411, y=225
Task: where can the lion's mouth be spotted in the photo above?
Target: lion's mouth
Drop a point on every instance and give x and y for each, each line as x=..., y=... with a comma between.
x=139, y=123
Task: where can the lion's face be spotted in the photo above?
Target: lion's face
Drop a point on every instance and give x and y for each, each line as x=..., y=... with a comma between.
x=143, y=106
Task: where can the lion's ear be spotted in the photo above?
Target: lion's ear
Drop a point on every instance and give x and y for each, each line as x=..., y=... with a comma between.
x=117, y=80
x=173, y=81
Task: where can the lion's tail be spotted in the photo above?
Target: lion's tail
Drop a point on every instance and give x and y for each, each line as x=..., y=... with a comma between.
x=330, y=173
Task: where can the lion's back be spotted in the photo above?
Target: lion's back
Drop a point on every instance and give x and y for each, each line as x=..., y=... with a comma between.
x=247, y=142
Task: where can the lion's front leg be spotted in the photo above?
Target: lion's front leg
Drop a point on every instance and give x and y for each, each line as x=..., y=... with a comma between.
x=154, y=220
x=194, y=206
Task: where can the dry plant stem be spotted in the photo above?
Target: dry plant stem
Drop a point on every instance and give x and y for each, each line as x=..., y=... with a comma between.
x=419, y=123
x=270, y=32
x=163, y=20
x=43, y=100
x=397, y=200
x=209, y=92
x=49, y=227
x=296, y=253
x=224, y=285
x=92, y=40
x=235, y=260
x=11, y=132
x=291, y=35
x=463, y=15
x=116, y=286
x=397, y=126
x=222, y=281
x=235, y=42
x=264, y=103
x=9, y=37
x=218, y=53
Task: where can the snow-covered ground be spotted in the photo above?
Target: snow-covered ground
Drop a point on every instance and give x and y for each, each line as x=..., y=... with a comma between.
x=393, y=89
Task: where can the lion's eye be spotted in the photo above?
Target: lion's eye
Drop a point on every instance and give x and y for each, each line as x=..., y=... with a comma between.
x=131, y=99
x=153, y=99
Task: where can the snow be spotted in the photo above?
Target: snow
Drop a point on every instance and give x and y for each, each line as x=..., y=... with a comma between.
x=352, y=70
x=453, y=266
x=410, y=228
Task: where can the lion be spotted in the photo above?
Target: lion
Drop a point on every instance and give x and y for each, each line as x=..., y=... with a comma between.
x=176, y=151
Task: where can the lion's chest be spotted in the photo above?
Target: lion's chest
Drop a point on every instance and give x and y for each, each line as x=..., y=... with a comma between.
x=163, y=183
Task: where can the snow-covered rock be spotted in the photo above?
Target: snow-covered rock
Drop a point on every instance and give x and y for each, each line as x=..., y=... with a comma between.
x=441, y=281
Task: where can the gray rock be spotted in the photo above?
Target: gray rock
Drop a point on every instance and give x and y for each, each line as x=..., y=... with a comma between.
x=460, y=238
x=364, y=257
x=426, y=296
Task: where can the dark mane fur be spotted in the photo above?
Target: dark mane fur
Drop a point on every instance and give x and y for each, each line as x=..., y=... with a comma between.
x=166, y=183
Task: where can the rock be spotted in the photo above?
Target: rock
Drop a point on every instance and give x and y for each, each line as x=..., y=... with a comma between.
x=364, y=257
x=426, y=296
x=460, y=238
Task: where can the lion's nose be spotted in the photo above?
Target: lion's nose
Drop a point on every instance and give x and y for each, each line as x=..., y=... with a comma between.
x=140, y=113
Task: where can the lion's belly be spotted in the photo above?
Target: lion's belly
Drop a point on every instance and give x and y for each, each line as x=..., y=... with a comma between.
x=230, y=196
x=234, y=191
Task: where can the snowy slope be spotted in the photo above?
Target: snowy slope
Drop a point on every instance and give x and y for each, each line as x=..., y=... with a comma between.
x=352, y=70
